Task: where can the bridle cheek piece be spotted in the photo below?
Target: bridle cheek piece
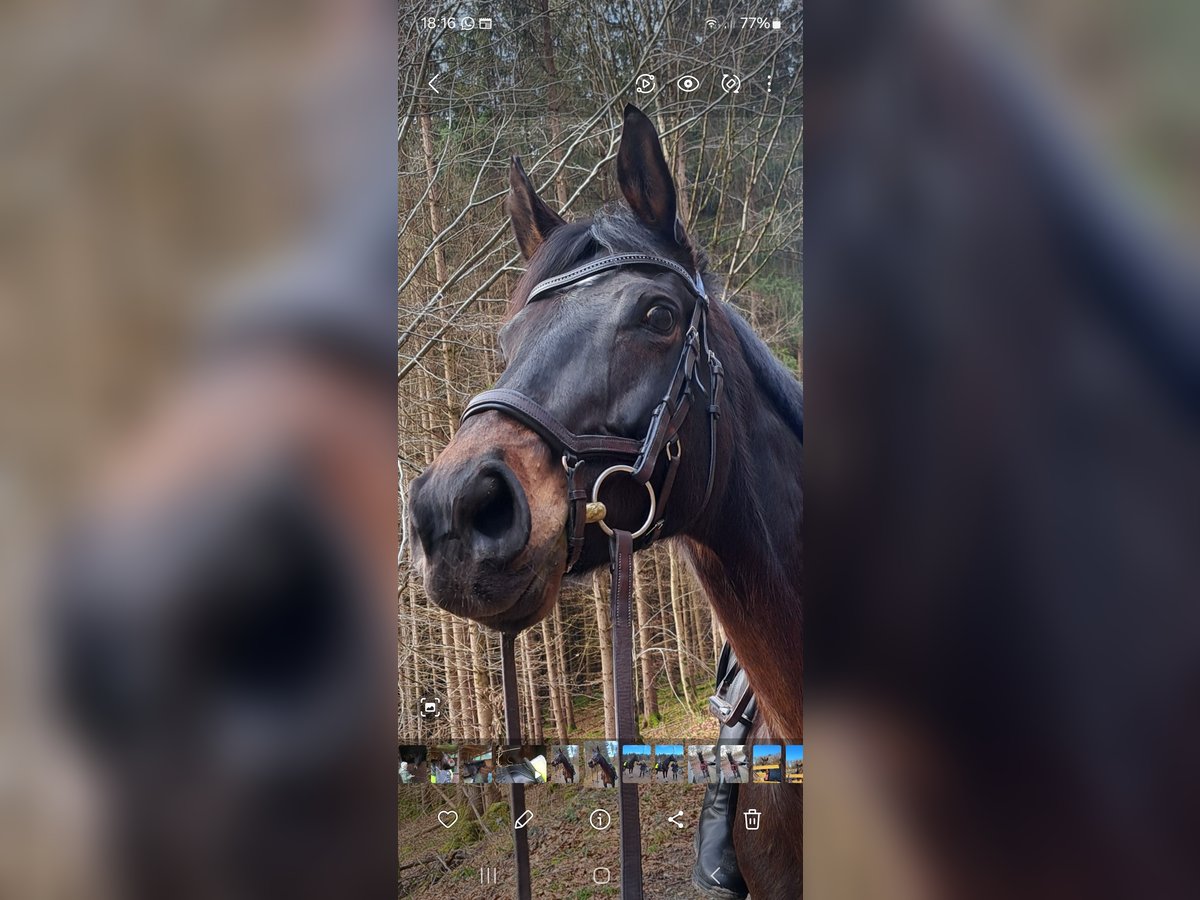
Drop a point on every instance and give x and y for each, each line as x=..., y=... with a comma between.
x=618, y=456
x=583, y=453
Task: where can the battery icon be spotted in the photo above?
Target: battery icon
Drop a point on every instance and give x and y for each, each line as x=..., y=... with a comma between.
x=776, y=25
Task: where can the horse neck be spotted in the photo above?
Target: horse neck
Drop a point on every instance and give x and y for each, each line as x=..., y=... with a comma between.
x=747, y=551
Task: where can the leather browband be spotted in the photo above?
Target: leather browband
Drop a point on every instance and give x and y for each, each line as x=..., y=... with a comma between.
x=619, y=261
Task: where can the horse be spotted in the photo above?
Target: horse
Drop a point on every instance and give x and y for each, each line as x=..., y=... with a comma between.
x=491, y=512
x=560, y=759
x=733, y=764
x=662, y=766
x=972, y=603
x=238, y=545
x=608, y=775
x=473, y=770
x=703, y=764
x=628, y=763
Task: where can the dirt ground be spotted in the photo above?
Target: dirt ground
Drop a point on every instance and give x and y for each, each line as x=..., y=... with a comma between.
x=565, y=850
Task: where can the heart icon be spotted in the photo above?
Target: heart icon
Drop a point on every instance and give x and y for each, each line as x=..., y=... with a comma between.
x=448, y=817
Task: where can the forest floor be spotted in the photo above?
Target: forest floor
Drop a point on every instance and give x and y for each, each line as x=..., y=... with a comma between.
x=565, y=850
x=677, y=724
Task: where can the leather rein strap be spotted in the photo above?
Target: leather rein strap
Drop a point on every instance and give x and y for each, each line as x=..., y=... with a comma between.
x=512, y=728
x=639, y=459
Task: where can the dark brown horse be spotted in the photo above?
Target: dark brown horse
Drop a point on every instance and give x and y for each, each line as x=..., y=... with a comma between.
x=560, y=759
x=218, y=604
x=608, y=774
x=491, y=511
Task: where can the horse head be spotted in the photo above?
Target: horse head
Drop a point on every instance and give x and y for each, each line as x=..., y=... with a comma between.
x=491, y=511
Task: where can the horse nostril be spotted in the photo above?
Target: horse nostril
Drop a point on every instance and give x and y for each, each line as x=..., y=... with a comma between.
x=495, y=515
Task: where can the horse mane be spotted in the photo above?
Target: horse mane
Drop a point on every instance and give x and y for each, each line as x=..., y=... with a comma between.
x=772, y=376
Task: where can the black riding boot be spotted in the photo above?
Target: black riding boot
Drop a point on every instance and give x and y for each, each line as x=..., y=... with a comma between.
x=716, y=871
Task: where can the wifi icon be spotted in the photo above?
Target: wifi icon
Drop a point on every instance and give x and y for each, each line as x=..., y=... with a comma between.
x=711, y=24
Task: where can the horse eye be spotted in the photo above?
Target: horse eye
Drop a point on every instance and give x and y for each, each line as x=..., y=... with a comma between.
x=661, y=318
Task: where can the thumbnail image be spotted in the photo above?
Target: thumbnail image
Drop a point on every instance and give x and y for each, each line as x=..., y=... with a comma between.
x=476, y=764
x=703, y=767
x=600, y=758
x=523, y=764
x=767, y=763
x=565, y=764
x=734, y=768
x=637, y=764
x=443, y=763
x=412, y=767
x=669, y=763
x=793, y=761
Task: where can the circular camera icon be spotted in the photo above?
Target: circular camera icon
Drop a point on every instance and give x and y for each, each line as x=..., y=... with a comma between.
x=731, y=84
x=688, y=83
x=645, y=84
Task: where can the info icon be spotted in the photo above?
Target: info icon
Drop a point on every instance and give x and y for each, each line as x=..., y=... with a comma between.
x=688, y=83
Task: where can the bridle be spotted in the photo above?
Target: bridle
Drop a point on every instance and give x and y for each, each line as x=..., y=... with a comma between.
x=583, y=454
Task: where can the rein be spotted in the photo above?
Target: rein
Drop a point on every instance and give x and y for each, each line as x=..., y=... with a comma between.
x=609, y=455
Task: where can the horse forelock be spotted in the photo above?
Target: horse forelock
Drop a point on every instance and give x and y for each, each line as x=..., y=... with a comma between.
x=612, y=229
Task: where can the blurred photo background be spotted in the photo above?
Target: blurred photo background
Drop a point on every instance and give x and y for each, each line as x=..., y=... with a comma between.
x=1002, y=350
x=198, y=274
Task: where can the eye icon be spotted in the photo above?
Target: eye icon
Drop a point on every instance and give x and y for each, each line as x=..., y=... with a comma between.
x=688, y=83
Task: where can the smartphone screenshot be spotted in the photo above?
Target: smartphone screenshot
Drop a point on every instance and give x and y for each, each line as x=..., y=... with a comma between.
x=600, y=448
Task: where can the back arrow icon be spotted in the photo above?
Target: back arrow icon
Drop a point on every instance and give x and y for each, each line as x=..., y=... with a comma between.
x=432, y=80
x=677, y=819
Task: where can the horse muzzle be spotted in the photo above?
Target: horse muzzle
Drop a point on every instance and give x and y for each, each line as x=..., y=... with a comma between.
x=473, y=523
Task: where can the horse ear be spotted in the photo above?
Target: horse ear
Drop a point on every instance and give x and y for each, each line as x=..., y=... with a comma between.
x=532, y=219
x=644, y=176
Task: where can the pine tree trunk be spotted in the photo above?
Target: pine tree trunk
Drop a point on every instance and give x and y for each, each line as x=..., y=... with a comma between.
x=483, y=705
x=681, y=627
x=554, y=681
x=534, y=733
x=465, y=702
x=568, y=681
x=604, y=631
x=649, y=694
